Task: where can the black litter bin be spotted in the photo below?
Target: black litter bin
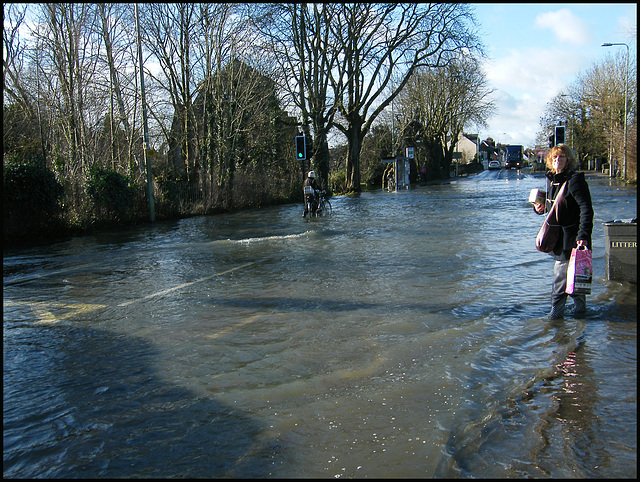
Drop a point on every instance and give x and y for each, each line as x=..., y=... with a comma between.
x=621, y=249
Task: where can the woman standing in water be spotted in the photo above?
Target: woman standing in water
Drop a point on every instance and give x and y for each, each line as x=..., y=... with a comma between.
x=576, y=218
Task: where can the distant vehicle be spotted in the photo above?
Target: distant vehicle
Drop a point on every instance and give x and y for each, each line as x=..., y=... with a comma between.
x=494, y=165
x=514, y=157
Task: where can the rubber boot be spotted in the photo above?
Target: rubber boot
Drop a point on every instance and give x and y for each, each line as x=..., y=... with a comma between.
x=557, y=309
x=579, y=305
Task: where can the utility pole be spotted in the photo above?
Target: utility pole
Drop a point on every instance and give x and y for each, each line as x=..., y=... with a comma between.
x=145, y=141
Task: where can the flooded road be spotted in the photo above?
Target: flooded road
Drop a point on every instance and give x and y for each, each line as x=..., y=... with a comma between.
x=404, y=336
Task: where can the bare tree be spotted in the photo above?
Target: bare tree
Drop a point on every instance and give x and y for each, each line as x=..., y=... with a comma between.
x=78, y=68
x=20, y=97
x=223, y=98
x=300, y=39
x=67, y=52
x=13, y=85
x=593, y=108
x=382, y=45
x=438, y=104
x=112, y=16
x=169, y=36
x=222, y=29
x=215, y=46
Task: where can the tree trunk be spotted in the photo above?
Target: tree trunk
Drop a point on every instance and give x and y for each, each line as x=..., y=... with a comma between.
x=353, y=156
x=434, y=158
x=321, y=155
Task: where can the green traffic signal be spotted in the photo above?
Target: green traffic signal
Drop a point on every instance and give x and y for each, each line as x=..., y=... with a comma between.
x=301, y=148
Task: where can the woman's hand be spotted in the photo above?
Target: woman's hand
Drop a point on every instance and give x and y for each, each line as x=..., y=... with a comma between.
x=583, y=243
x=538, y=207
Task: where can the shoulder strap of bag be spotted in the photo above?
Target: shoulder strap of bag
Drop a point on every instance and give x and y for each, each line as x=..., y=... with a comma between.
x=559, y=198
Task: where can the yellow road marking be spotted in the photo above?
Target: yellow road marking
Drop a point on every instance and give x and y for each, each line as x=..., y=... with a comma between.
x=233, y=327
x=43, y=310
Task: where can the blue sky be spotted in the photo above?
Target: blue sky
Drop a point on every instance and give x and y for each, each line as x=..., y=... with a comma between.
x=537, y=50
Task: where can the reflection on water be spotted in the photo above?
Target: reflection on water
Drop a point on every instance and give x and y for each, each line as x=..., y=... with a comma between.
x=404, y=336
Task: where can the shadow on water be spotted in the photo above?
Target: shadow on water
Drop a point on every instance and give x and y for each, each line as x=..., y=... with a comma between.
x=324, y=305
x=97, y=409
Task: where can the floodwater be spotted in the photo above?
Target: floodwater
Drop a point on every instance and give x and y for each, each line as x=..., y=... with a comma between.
x=404, y=336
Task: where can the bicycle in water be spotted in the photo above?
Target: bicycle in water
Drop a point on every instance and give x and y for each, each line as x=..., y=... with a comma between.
x=320, y=207
x=324, y=205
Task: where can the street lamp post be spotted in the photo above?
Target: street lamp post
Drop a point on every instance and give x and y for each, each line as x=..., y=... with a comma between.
x=626, y=81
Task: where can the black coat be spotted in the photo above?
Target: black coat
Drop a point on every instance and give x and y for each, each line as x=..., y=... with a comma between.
x=575, y=213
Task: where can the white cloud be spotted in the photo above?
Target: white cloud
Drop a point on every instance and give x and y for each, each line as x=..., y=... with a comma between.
x=517, y=119
x=524, y=81
x=537, y=71
x=565, y=25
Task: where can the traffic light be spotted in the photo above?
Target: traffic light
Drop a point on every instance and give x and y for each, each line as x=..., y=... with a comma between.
x=559, y=135
x=301, y=148
x=552, y=140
